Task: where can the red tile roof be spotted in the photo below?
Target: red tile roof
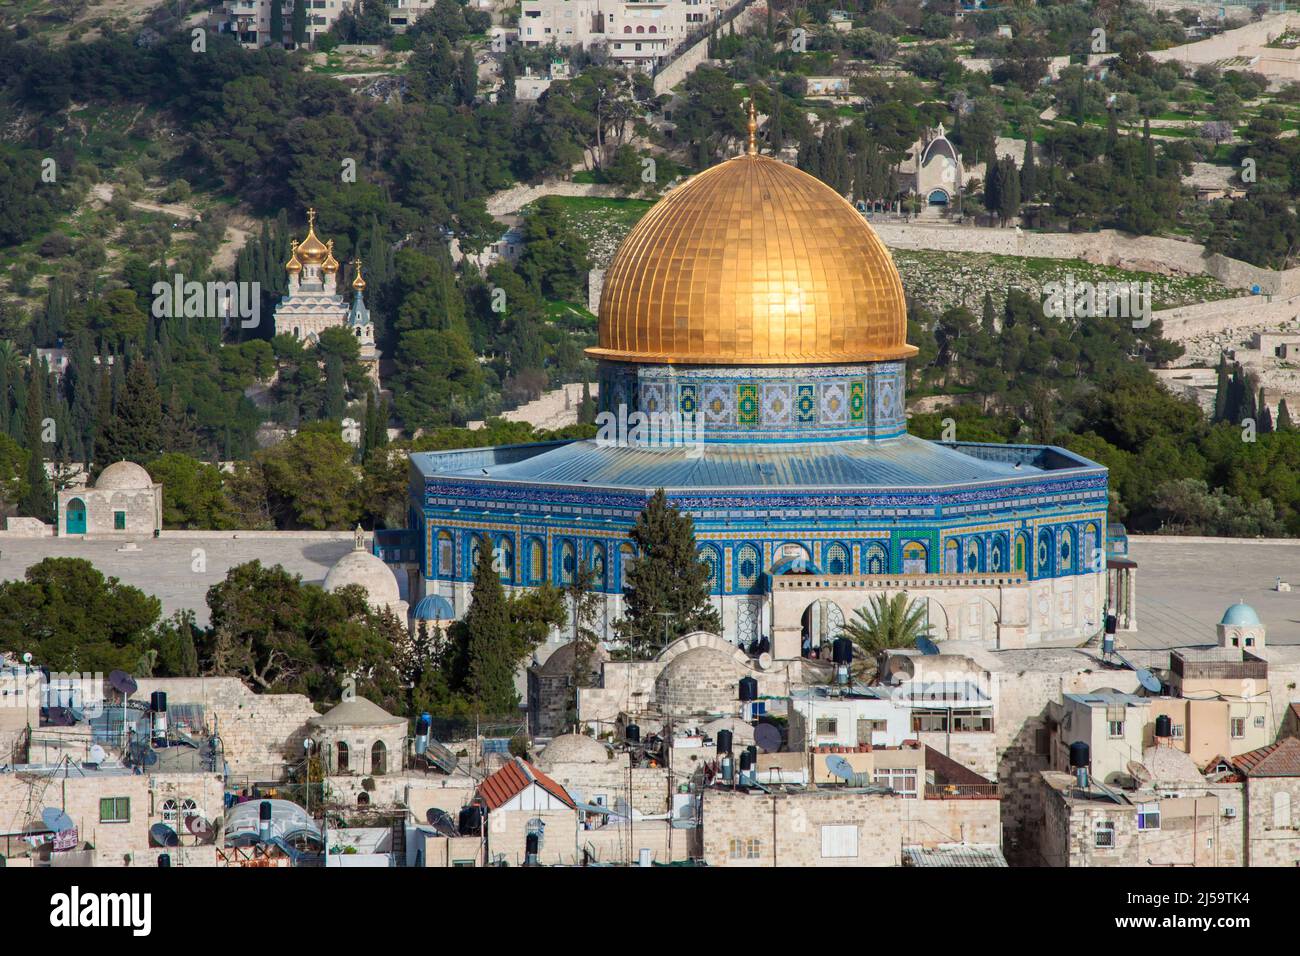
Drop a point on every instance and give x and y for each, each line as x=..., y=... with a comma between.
x=513, y=779
x=1281, y=759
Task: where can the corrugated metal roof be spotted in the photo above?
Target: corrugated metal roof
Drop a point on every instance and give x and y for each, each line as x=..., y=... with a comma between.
x=954, y=855
x=906, y=461
x=513, y=779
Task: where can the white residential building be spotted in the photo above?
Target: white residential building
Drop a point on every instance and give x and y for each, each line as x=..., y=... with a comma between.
x=635, y=33
x=250, y=20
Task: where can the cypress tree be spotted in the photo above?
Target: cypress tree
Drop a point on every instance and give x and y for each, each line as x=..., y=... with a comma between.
x=488, y=634
x=1028, y=172
x=37, y=499
x=277, y=23
x=299, y=22
x=988, y=321
x=667, y=593
x=1221, y=391
x=1284, y=423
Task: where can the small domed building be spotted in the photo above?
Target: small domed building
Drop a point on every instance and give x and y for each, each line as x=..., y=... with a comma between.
x=701, y=681
x=550, y=689
x=359, y=737
x=573, y=749
x=124, y=500
x=372, y=575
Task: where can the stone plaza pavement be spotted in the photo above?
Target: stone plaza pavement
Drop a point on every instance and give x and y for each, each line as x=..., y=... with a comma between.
x=1183, y=585
x=165, y=566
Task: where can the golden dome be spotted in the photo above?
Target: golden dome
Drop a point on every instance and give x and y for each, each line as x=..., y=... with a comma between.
x=293, y=265
x=311, y=251
x=752, y=262
x=358, y=283
x=330, y=264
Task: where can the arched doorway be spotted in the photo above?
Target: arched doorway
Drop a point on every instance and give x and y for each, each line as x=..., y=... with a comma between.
x=75, y=517
x=822, y=622
x=938, y=197
x=378, y=758
x=341, y=758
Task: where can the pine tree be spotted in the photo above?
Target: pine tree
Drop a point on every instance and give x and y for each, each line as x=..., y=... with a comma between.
x=667, y=593
x=134, y=433
x=37, y=500
x=489, y=640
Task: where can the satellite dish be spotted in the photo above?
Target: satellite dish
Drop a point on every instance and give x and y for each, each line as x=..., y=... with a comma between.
x=201, y=829
x=840, y=767
x=56, y=820
x=901, y=667
x=123, y=682
x=160, y=834
x=1139, y=771
x=97, y=755
x=927, y=646
x=149, y=758
x=768, y=738
x=764, y=661
x=441, y=821
x=1149, y=680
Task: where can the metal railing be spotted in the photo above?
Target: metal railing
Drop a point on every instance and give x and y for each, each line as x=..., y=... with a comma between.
x=963, y=791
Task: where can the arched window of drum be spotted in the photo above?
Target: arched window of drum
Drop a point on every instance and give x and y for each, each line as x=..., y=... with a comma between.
x=837, y=559
x=972, y=556
x=446, y=552
x=710, y=558
x=598, y=565
x=998, y=555
x=626, y=555
x=504, y=558
x=536, y=561
x=877, y=561
x=568, y=562
x=475, y=546
x=747, y=567
x=1020, y=552
x=1090, y=555
x=1067, y=550
x=915, y=558
x=1044, y=552
x=950, y=556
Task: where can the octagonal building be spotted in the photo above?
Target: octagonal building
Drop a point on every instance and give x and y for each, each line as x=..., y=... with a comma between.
x=751, y=355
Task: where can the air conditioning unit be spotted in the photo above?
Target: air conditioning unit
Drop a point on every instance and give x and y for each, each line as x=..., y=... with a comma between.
x=1230, y=812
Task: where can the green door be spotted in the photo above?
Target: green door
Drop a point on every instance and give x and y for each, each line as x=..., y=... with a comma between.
x=75, y=520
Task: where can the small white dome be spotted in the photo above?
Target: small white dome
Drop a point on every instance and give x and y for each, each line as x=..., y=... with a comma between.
x=363, y=568
x=123, y=476
x=573, y=748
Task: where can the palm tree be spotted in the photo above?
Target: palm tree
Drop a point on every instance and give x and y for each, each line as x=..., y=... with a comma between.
x=886, y=624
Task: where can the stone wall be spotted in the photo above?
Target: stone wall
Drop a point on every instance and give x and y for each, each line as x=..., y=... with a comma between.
x=1272, y=841
x=1242, y=41
x=116, y=843
x=651, y=786
x=785, y=829
x=256, y=730
x=929, y=823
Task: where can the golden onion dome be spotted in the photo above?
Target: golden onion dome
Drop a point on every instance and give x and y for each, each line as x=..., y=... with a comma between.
x=358, y=283
x=311, y=251
x=330, y=264
x=752, y=262
x=293, y=265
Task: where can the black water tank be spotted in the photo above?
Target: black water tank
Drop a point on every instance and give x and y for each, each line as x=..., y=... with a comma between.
x=532, y=844
x=470, y=821
x=842, y=650
x=746, y=761
x=158, y=702
x=1164, y=726
x=753, y=755
x=1079, y=754
x=1110, y=623
x=633, y=734
x=724, y=741
x=748, y=689
x=164, y=859
x=264, y=810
